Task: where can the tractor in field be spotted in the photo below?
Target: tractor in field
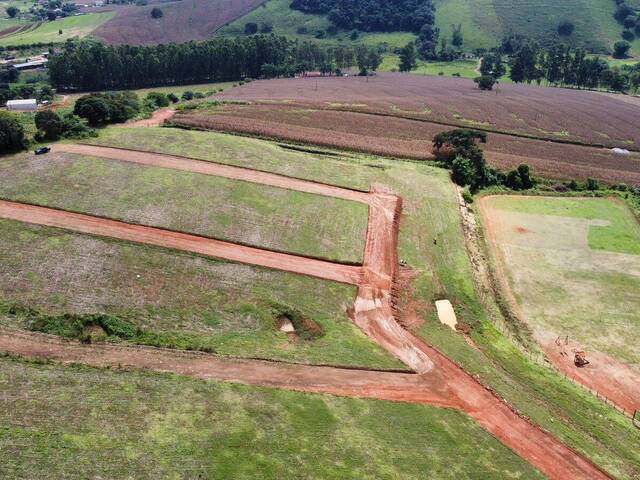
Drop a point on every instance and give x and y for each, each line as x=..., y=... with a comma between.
x=580, y=359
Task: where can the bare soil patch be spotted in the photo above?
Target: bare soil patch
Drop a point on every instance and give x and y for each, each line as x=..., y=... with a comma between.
x=182, y=21
x=537, y=264
x=552, y=113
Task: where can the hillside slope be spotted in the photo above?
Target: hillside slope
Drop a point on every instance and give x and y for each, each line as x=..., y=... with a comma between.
x=181, y=21
x=484, y=23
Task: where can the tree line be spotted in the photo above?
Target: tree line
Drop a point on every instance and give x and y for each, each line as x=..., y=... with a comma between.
x=91, y=65
x=372, y=15
x=563, y=66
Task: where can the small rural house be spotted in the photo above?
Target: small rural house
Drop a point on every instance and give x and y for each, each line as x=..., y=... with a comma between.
x=29, y=105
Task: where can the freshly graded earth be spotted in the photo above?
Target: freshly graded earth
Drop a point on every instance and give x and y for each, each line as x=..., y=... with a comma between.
x=573, y=266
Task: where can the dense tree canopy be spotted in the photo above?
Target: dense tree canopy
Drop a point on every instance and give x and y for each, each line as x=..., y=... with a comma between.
x=88, y=65
x=560, y=65
x=372, y=15
x=11, y=133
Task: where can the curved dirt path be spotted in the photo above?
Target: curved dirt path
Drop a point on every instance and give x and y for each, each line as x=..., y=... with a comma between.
x=157, y=118
x=103, y=227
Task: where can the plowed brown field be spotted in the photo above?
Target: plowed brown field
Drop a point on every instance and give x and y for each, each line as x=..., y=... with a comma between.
x=551, y=113
x=182, y=21
x=408, y=138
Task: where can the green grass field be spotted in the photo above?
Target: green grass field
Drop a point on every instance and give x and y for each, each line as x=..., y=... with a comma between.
x=87, y=423
x=485, y=22
x=442, y=268
x=48, y=32
x=574, y=267
x=243, y=212
x=178, y=300
x=443, y=271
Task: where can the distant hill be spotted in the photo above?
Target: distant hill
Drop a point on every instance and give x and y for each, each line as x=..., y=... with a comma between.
x=484, y=22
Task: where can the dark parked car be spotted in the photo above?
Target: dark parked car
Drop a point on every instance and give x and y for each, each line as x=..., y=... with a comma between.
x=42, y=150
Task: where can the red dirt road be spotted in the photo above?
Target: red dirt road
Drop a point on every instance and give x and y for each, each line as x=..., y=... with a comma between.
x=157, y=118
x=405, y=387
x=180, y=241
x=440, y=381
x=217, y=169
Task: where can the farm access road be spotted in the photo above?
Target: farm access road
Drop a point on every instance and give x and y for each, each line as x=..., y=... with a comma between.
x=438, y=379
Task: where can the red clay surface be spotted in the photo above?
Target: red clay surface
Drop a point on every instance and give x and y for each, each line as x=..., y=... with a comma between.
x=609, y=377
x=404, y=387
x=440, y=380
x=157, y=118
x=605, y=375
x=553, y=113
x=402, y=137
x=182, y=21
x=180, y=241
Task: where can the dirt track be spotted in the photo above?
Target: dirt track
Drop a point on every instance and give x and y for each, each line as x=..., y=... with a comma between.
x=440, y=381
x=157, y=118
x=217, y=169
x=180, y=241
x=306, y=378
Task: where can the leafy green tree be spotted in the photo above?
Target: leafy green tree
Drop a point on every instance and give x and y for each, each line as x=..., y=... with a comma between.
x=75, y=127
x=408, y=57
x=93, y=108
x=592, y=184
x=12, y=11
x=565, y=28
x=173, y=98
x=462, y=171
x=492, y=64
x=428, y=41
x=156, y=100
x=49, y=124
x=12, y=136
x=456, y=35
x=250, y=28
x=620, y=49
x=187, y=95
x=368, y=59
x=520, y=178
x=9, y=75
x=485, y=82
x=156, y=13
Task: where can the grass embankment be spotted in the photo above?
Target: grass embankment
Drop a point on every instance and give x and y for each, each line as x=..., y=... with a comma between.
x=82, y=422
x=444, y=271
x=574, y=267
x=48, y=32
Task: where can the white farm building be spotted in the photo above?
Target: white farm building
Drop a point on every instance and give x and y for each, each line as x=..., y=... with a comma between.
x=29, y=105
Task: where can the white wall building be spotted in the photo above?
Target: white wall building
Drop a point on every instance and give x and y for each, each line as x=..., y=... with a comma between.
x=29, y=105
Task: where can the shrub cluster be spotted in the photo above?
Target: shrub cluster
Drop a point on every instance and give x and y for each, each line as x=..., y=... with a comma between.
x=459, y=151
